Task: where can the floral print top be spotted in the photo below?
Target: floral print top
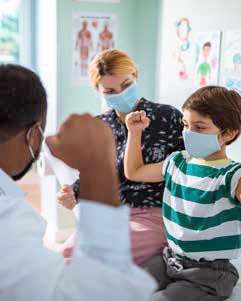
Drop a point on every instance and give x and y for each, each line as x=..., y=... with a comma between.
x=162, y=137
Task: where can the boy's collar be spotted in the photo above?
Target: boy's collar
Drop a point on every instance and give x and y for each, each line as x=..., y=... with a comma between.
x=210, y=163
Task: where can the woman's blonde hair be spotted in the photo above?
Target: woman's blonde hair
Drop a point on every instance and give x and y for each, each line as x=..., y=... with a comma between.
x=111, y=62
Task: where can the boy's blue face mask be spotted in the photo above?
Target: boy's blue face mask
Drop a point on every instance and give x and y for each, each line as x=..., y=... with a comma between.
x=200, y=145
x=123, y=102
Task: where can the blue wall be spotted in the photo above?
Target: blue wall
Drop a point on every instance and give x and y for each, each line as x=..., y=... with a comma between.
x=137, y=34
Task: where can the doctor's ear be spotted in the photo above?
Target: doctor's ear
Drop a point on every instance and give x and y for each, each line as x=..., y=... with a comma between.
x=32, y=132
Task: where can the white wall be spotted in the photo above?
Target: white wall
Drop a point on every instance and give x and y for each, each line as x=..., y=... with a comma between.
x=205, y=15
x=26, y=36
x=60, y=221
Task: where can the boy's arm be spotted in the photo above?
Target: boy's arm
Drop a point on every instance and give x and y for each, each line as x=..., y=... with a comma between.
x=134, y=167
x=238, y=191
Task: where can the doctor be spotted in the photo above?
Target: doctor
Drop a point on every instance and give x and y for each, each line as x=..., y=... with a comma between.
x=101, y=268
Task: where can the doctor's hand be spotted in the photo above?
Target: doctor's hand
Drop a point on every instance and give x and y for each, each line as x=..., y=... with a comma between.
x=137, y=121
x=66, y=197
x=87, y=144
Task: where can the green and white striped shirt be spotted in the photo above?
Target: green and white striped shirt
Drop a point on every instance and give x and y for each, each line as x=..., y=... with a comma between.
x=201, y=215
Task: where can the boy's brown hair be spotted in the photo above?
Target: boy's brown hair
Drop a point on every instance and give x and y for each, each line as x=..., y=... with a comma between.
x=223, y=106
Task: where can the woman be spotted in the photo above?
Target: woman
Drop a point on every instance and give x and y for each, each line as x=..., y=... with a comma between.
x=114, y=75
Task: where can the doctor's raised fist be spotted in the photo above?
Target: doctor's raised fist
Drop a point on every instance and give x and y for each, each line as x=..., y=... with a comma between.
x=87, y=144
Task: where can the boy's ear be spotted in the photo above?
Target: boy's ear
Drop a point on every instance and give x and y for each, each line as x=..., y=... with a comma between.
x=229, y=135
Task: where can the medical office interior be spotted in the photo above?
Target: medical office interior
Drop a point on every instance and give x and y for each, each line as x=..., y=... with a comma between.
x=178, y=46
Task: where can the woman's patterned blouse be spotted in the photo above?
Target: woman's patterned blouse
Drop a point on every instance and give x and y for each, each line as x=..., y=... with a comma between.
x=162, y=137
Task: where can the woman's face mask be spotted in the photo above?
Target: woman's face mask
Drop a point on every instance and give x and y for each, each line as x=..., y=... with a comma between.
x=123, y=102
x=119, y=92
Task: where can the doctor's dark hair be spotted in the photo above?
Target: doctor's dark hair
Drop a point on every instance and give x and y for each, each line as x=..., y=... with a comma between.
x=223, y=106
x=23, y=100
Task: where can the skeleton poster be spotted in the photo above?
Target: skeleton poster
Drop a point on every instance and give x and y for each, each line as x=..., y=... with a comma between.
x=92, y=33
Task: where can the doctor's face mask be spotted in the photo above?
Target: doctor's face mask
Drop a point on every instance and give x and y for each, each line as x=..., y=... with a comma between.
x=35, y=157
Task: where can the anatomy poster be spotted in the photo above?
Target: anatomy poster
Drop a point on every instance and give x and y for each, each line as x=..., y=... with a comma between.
x=92, y=33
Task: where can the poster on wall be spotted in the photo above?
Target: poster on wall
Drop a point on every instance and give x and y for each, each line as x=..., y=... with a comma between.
x=9, y=31
x=183, y=30
x=207, y=49
x=232, y=61
x=92, y=33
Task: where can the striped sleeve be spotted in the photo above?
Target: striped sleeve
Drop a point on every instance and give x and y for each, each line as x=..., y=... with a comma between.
x=232, y=180
x=167, y=162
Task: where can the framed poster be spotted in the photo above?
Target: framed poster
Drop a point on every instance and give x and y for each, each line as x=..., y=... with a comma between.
x=181, y=54
x=207, y=46
x=231, y=76
x=92, y=33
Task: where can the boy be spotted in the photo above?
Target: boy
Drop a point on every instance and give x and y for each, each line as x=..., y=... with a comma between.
x=201, y=203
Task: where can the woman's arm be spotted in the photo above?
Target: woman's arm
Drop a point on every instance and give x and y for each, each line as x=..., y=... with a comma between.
x=66, y=197
x=134, y=167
